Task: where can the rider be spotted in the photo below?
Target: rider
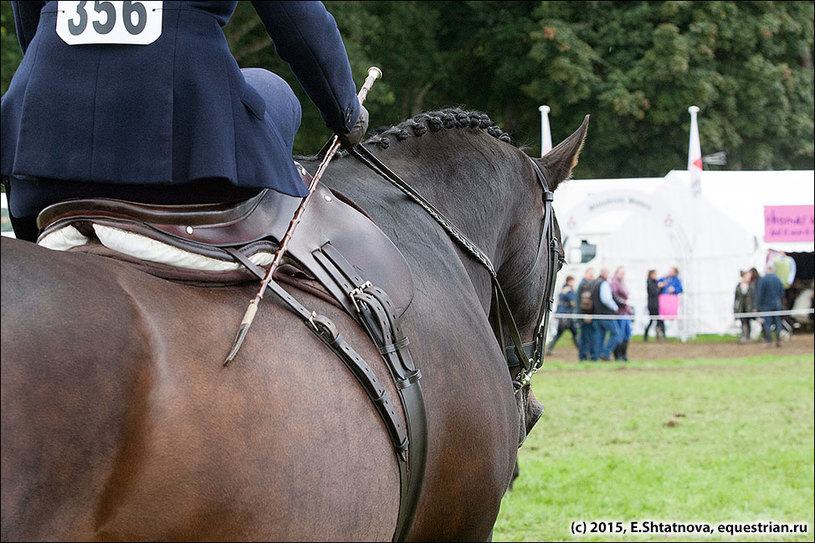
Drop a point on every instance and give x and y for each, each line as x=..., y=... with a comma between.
x=143, y=101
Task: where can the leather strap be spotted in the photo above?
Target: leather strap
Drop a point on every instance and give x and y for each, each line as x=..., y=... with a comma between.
x=325, y=329
x=377, y=313
x=328, y=333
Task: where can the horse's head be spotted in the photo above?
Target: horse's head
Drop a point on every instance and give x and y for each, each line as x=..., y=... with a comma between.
x=534, y=254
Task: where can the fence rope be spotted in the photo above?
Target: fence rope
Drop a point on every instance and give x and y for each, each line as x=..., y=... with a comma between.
x=751, y=315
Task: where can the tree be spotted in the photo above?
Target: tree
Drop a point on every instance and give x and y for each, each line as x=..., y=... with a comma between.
x=638, y=66
x=634, y=66
x=10, y=53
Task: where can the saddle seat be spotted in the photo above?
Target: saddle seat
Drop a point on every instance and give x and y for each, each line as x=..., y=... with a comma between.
x=197, y=242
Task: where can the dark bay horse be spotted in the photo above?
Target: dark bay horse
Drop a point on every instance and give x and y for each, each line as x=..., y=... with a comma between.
x=119, y=421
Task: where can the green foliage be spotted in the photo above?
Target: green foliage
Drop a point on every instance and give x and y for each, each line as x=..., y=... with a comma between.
x=10, y=53
x=634, y=66
x=728, y=440
x=751, y=79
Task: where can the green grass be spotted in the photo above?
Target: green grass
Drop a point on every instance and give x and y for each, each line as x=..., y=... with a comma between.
x=724, y=440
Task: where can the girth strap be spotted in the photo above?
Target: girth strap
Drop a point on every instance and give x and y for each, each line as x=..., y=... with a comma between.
x=325, y=329
x=328, y=333
x=376, y=312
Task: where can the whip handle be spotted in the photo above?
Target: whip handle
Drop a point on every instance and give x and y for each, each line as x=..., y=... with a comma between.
x=374, y=73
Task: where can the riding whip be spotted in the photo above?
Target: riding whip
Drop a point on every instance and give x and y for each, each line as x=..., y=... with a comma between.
x=373, y=74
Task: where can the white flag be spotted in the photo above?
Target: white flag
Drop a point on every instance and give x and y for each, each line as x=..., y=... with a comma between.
x=694, y=154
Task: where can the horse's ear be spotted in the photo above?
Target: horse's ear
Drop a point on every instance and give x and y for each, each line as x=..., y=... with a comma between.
x=558, y=163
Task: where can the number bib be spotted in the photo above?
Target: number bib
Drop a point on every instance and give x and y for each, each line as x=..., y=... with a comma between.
x=128, y=23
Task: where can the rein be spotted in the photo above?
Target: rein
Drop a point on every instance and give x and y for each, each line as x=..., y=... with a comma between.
x=529, y=356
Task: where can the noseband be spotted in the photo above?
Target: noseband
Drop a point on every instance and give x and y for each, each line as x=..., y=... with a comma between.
x=529, y=356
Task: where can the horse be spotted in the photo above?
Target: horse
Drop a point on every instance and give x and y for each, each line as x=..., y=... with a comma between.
x=120, y=421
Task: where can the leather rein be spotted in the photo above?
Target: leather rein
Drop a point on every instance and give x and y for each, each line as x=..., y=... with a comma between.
x=529, y=356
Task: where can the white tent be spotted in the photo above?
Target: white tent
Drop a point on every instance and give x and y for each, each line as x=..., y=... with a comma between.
x=655, y=223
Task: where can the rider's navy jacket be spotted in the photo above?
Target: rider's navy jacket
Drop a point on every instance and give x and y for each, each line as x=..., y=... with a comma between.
x=179, y=108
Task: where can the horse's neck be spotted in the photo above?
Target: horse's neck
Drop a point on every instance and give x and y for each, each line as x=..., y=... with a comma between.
x=466, y=178
x=464, y=187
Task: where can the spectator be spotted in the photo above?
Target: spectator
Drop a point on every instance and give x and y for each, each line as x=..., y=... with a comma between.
x=619, y=291
x=586, y=306
x=607, y=334
x=769, y=293
x=743, y=303
x=566, y=303
x=754, y=277
x=785, y=267
x=652, y=288
x=671, y=284
x=670, y=289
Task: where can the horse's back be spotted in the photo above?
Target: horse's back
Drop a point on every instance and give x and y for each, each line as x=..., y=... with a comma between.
x=119, y=420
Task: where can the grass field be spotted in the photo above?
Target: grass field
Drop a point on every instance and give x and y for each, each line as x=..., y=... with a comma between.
x=707, y=441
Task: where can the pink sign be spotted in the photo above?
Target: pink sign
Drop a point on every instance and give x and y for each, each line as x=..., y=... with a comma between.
x=789, y=223
x=668, y=306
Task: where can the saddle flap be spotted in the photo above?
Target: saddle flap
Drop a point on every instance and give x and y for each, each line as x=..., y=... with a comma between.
x=328, y=219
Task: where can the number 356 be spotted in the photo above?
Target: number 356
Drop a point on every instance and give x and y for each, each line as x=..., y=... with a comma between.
x=127, y=22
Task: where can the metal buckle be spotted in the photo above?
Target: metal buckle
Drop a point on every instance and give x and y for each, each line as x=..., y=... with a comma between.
x=357, y=291
x=524, y=379
x=317, y=329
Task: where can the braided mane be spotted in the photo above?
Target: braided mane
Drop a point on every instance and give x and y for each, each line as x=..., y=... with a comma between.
x=437, y=120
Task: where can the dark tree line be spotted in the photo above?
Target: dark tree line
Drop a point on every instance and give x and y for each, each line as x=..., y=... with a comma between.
x=635, y=67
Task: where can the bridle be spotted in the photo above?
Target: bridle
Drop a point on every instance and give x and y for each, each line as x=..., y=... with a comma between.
x=529, y=356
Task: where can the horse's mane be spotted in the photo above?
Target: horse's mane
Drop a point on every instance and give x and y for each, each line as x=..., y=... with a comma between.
x=435, y=121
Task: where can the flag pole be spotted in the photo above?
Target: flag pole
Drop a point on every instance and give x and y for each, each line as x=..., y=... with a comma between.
x=694, y=153
x=691, y=305
x=546, y=133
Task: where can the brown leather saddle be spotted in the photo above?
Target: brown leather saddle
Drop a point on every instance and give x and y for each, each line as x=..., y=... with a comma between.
x=218, y=230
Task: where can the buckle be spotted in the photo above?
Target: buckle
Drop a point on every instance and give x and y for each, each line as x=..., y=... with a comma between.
x=523, y=380
x=357, y=291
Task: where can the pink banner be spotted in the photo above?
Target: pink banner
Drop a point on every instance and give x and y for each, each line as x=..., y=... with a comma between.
x=668, y=306
x=789, y=223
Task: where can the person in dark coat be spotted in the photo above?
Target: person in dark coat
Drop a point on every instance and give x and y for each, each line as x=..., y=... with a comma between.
x=652, y=289
x=743, y=302
x=619, y=292
x=587, y=326
x=144, y=101
x=566, y=303
x=769, y=293
x=607, y=335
